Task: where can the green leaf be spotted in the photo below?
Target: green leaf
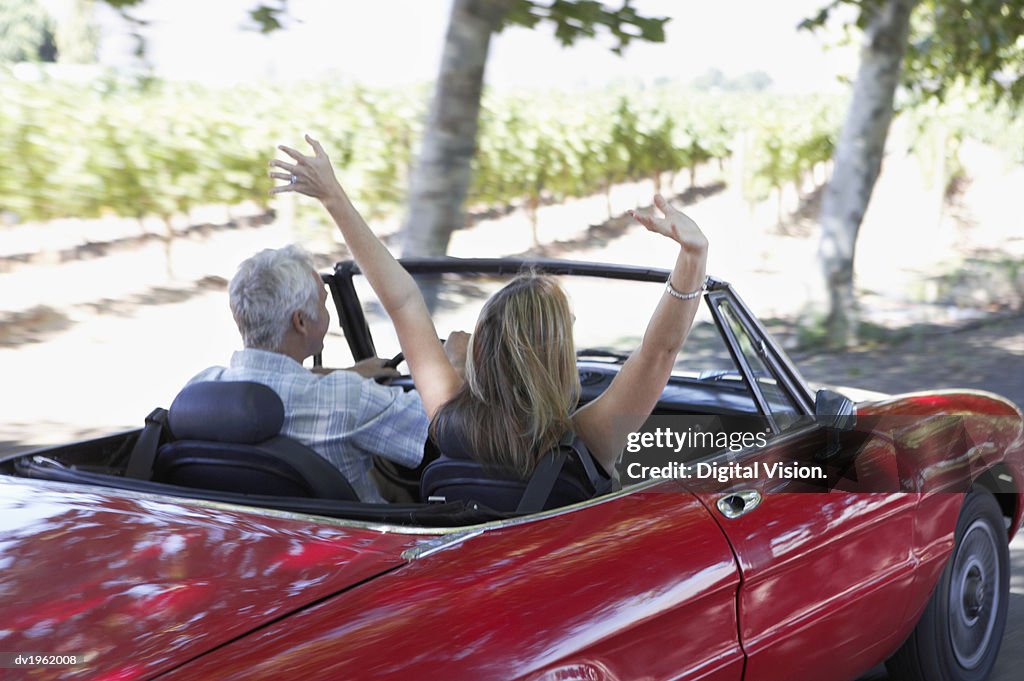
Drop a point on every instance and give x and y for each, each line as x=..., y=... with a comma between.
x=576, y=19
x=266, y=18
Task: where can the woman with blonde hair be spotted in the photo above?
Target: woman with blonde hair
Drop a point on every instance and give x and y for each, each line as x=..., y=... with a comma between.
x=521, y=387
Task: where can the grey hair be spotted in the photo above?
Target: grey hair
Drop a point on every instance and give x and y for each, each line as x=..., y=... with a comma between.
x=267, y=289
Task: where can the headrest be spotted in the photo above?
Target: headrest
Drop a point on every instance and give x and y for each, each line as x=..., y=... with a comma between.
x=226, y=411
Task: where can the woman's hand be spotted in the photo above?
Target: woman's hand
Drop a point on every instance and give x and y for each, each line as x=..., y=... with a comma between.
x=676, y=225
x=455, y=347
x=436, y=380
x=606, y=422
x=309, y=175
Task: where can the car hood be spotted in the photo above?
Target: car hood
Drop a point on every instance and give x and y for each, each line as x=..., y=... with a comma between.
x=140, y=585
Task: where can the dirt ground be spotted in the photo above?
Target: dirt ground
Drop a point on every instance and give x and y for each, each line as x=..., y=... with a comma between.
x=985, y=355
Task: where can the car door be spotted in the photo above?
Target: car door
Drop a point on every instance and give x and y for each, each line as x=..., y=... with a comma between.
x=825, y=574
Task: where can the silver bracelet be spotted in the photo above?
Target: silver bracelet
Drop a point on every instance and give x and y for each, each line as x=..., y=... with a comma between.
x=684, y=296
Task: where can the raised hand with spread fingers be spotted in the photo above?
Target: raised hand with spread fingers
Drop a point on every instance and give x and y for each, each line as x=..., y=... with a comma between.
x=633, y=394
x=436, y=380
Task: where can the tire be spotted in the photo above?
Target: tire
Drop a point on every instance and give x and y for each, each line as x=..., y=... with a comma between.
x=958, y=636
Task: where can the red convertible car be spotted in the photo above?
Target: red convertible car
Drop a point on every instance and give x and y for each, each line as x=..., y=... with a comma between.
x=762, y=531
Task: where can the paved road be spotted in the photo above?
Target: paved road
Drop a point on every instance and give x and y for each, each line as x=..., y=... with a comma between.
x=1011, y=655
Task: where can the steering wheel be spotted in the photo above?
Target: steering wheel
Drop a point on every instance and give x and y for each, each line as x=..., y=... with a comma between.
x=400, y=357
x=393, y=364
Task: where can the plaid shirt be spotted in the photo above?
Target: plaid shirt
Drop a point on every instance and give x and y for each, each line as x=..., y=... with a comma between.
x=342, y=416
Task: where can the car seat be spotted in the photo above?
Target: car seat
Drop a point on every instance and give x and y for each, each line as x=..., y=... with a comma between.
x=225, y=435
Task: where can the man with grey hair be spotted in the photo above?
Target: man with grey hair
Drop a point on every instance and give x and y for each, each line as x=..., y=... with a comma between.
x=279, y=304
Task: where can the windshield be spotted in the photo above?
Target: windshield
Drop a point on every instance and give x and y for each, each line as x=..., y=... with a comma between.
x=611, y=317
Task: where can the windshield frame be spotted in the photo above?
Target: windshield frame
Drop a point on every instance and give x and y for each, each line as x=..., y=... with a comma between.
x=360, y=339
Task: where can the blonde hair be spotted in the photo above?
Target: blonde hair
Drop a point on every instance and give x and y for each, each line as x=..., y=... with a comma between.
x=521, y=378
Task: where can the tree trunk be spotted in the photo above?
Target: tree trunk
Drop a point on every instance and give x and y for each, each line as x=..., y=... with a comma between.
x=168, y=239
x=441, y=176
x=858, y=159
x=532, y=204
x=938, y=173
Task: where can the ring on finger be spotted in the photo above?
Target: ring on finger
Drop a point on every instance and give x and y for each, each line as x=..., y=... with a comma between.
x=293, y=179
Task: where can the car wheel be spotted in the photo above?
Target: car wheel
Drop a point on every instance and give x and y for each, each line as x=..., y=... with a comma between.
x=958, y=636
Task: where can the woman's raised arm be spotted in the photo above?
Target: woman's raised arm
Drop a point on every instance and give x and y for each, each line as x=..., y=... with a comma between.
x=436, y=380
x=605, y=423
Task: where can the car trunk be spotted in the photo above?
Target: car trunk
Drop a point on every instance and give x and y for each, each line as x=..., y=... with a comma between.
x=139, y=585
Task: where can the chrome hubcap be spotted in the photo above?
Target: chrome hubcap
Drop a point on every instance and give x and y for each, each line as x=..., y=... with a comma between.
x=974, y=594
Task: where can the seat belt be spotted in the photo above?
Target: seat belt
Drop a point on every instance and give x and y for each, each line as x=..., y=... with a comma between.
x=140, y=463
x=598, y=483
x=544, y=476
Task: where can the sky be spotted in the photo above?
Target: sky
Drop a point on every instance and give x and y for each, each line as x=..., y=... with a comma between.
x=398, y=42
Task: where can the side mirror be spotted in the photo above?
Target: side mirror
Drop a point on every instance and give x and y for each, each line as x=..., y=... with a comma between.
x=834, y=411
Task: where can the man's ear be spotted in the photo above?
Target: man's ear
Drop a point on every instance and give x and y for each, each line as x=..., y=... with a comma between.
x=299, y=322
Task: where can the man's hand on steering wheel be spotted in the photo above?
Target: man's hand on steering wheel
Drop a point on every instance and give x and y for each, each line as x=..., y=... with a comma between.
x=375, y=368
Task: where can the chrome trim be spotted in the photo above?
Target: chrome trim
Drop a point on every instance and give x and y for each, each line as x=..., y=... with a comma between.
x=431, y=546
x=47, y=461
x=748, y=499
x=736, y=350
x=781, y=363
x=384, y=528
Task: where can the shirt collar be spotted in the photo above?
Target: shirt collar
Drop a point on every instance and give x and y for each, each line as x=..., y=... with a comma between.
x=265, y=360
